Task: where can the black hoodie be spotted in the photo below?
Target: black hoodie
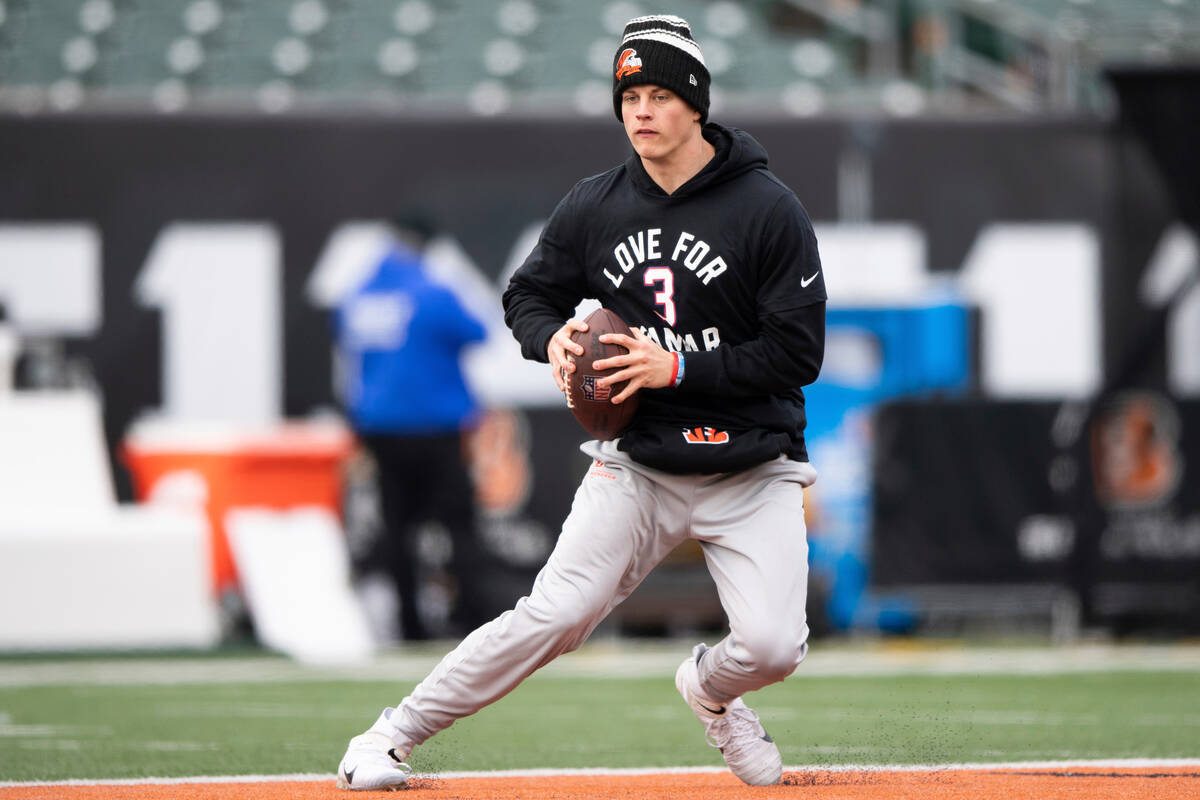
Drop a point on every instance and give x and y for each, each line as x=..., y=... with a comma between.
x=725, y=271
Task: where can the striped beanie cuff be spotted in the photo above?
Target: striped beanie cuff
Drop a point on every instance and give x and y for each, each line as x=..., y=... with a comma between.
x=659, y=50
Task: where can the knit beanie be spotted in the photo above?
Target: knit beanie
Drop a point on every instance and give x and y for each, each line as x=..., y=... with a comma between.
x=659, y=50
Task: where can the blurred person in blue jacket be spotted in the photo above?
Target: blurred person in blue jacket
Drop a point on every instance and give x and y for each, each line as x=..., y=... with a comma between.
x=399, y=337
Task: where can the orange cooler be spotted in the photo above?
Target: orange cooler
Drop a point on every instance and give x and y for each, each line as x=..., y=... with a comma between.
x=291, y=465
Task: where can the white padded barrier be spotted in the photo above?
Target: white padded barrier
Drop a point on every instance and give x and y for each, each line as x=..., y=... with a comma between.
x=122, y=578
x=52, y=452
x=295, y=574
x=77, y=570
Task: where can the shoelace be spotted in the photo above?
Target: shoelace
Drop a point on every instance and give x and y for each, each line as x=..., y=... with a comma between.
x=734, y=723
x=400, y=765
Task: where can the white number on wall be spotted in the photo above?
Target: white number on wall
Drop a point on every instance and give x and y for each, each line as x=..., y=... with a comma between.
x=218, y=286
x=50, y=277
x=1038, y=287
x=1171, y=277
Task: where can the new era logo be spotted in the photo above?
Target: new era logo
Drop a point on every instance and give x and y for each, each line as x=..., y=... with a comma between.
x=692, y=80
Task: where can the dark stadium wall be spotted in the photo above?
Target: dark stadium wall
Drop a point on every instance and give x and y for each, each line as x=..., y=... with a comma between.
x=1128, y=543
x=485, y=182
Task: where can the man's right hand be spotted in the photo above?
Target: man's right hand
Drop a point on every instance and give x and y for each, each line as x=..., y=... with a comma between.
x=562, y=351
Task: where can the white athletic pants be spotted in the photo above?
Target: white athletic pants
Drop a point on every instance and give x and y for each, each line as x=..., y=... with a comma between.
x=624, y=520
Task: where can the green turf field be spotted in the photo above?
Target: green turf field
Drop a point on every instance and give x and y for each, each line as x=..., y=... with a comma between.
x=63, y=730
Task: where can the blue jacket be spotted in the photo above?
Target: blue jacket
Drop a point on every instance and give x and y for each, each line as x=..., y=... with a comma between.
x=400, y=337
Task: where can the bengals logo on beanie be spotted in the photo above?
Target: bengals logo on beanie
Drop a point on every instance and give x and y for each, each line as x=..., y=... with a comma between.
x=659, y=50
x=628, y=63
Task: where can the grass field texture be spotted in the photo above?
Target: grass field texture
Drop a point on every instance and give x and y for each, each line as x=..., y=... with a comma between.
x=203, y=724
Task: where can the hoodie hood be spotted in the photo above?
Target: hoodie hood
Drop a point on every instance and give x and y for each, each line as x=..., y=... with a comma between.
x=737, y=153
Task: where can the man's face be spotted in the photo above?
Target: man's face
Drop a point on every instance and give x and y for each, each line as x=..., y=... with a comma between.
x=657, y=121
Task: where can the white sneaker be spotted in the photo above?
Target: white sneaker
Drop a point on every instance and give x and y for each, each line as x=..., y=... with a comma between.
x=373, y=761
x=734, y=729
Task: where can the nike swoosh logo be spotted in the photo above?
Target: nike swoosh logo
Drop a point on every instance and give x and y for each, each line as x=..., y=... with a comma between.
x=806, y=281
x=766, y=737
x=720, y=710
x=350, y=775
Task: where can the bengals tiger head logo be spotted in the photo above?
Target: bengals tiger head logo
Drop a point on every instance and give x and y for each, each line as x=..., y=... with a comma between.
x=628, y=63
x=1135, y=451
x=498, y=452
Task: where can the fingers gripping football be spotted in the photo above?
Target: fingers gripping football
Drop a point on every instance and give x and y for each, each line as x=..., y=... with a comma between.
x=646, y=365
x=562, y=351
x=591, y=391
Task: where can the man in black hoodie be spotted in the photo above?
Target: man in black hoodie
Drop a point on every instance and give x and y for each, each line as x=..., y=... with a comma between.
x=713, y=263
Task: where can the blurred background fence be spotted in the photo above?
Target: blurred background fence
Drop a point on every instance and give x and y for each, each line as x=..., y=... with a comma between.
x=1005, y=196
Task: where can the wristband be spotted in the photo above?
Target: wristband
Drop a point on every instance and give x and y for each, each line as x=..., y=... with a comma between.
x=677, y=371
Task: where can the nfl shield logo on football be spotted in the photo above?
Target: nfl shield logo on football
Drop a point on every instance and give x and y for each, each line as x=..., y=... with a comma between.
x=592, y=391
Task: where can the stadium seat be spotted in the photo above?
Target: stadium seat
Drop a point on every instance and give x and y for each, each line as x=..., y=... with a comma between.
x=547, y=54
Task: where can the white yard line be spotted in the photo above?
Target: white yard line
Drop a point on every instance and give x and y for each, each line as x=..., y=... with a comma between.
x=1141, y=763
x=616, y=660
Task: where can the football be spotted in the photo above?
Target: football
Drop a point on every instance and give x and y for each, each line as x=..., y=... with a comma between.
x=590, y=403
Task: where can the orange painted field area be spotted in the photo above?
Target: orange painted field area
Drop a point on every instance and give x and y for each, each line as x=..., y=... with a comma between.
x=1059, y=783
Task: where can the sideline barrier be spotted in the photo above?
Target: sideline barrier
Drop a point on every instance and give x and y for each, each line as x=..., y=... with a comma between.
x=77, y=570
